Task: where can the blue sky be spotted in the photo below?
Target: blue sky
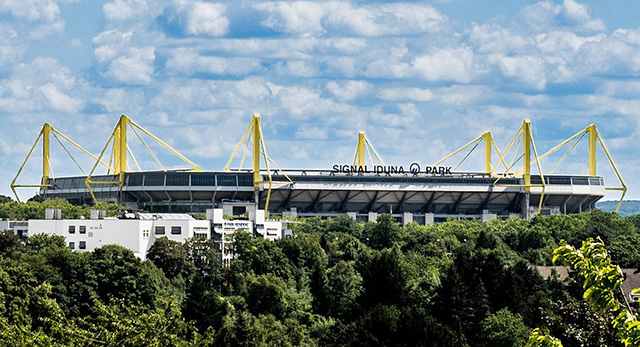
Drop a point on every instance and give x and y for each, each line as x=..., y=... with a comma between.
x=421, y=78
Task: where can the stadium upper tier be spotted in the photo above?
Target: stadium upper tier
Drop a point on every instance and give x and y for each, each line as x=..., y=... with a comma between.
x=324, y=192
x=512, y=180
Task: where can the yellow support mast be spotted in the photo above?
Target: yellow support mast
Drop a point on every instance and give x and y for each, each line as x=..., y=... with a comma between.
x=45, y=134
x=118, y=141
x=489, y=146
x=46, y=163
x=593, y=134
x=488, y=140
x=360, y=149
x=528, y=146
x=254, y=132
x=526, y=138
x=365, y=146
x=594, y=139
x=257, y=139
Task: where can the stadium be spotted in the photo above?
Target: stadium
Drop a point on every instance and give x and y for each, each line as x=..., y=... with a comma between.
x=512, y=182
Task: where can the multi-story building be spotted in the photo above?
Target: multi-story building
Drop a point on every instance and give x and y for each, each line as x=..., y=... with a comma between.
x=223, y=228
x=135, y=231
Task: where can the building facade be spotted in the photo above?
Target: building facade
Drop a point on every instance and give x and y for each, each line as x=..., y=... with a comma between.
x=135, y=231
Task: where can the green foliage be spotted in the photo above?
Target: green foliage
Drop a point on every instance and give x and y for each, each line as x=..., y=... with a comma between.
x=335, y=282
x=503, y=329
x=383, y=233
x=602, y=281
x=119, y=275
x=41, y=241
x=9, y=242
x=343, y=286
x=171, y=257
x=540, y=339
x=34, y=209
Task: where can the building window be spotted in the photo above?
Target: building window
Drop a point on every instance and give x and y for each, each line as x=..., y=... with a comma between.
x=145, y=234
x=176, y=230
x=239, y=210
x=82, y=245
x=159, y=230
x=72, y=245
x=82, y=229
x=72, y=229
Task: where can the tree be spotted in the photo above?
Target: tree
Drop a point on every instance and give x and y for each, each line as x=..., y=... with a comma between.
x=259, y=256
x=343, y=286
x=9, y=242
x=171, y=257
x=269, y=294
x=119, y=275
x=383, y=233
x=40, y=241
x=503, y=329
x=539, y=339
x=602, y=283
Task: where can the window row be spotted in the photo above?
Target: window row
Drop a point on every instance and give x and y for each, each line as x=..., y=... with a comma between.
x=175, y=230
x=81, y=245
x=82, y=229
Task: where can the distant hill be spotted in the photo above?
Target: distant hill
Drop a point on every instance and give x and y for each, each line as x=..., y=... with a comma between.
x=628, y=207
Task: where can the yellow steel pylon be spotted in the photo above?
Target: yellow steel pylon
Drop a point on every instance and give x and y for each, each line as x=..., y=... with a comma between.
x=259, y=150
x=365, y=146
x=489, y=145
x=528, y=145
x=120, y=149
x=594, y=140
x=47, y=173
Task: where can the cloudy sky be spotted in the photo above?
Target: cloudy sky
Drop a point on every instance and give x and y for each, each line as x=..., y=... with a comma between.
x=421, y=78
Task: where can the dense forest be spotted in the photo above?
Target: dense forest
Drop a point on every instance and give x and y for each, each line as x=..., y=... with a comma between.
x=334, y=283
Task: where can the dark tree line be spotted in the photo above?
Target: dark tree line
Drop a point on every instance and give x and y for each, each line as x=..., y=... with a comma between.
x=334, y=283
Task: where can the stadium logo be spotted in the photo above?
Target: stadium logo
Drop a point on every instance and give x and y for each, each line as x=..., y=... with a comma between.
x=414, y=169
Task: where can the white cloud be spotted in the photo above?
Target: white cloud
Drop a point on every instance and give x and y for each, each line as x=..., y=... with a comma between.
x=446, y=65
x=136, y=67
x=617, y=54
x=414, y=94
x=31, y=10
x=208, y=19
x=308, y=18
x=495, y=39
x=59, y=100
x=298, y=68
x=41, y=85
x=526, y=69
x=10, y=48
x=119, y=10
x=564, y=43
x=43, y=16
x=545, y=14
x=348, y=90
x=125, y=56
x=462, y=95
x=186, y=61
x=311, y=133
x=120, y=100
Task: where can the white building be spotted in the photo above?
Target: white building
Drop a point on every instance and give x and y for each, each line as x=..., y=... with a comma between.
x=256, y=225
x=19, y=228
x=136, y=232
